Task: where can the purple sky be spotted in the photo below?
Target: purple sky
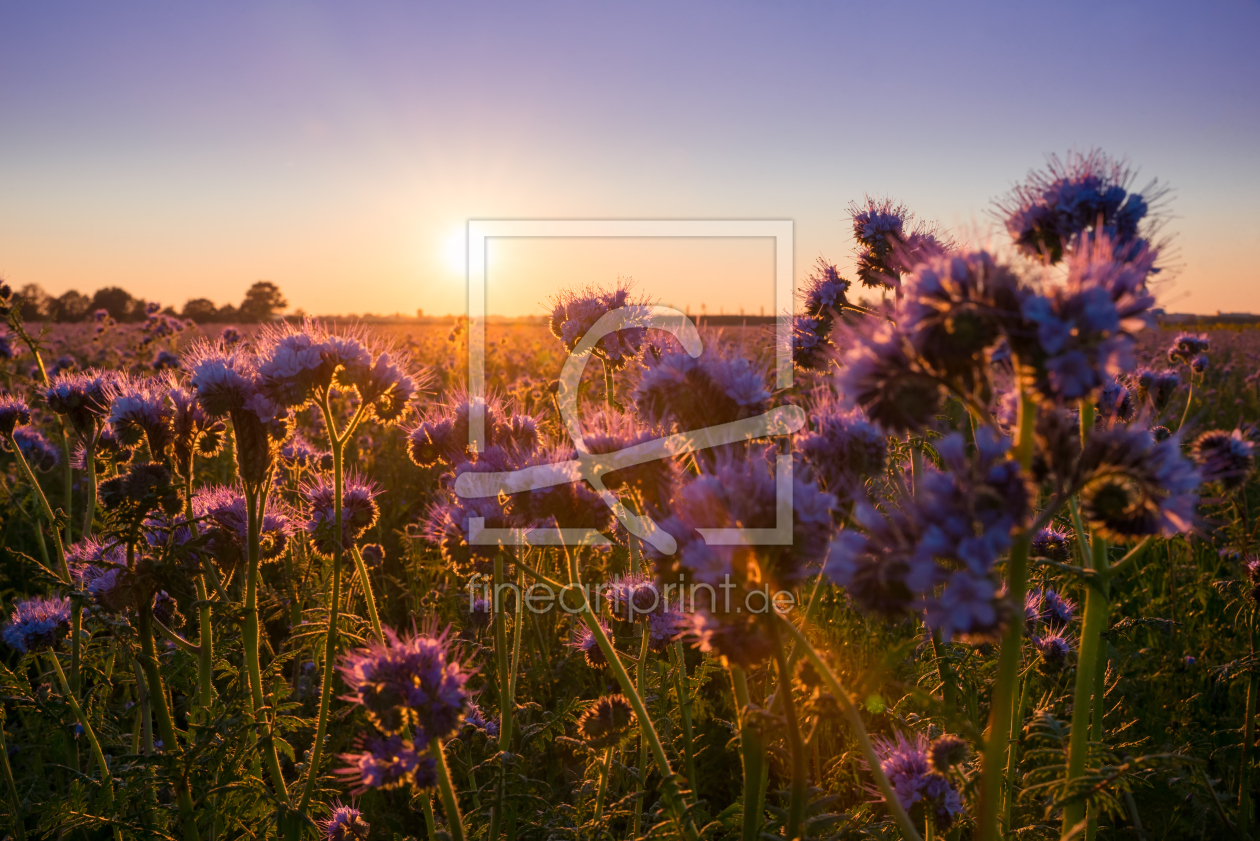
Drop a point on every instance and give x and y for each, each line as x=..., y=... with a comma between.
x=337, y=149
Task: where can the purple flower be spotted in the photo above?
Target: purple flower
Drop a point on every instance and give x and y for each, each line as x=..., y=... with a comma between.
x=222, y=511
x=344, y=824
x=409, y=683
x=968, y=607
x=690, y=393
x=358, y=510
x=584, y=640
x=299, y=452
x=165, y=360
x=35, y=448
x=879, y=375
x=1156, y=386
x=390, y=762
x=1187, y=346
x=1053, y=650
x=1053, y=543
x=1114, y=401
x=842, y=449
x=100, y=570
x=9, y=349
x=193, y=433
x=475, y=718
x=811, y=347
x=1224, y=457
x=80, y=398
x=1132, y=486
x=139, y=409
x=607, y=722
x=573, y=314
x=905, y=763
x=946, y=751
x=1088, y=192
x=13, y=413
x=222, y=377
x=37, y=624
x=824, y=293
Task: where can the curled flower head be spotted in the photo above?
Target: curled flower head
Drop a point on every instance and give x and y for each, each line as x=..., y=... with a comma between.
x=1115, y=402
x=842, y=449
x=1187, y=347
x=222, y=377
x=1132, y=486
x=100, y=570
x=164, y=360
x=632, y=597
x=1158, y=387
x=298, y=452
x=81, y=398
x=412, y=682
x=921, y=791
x=9, y=349
x=13, y=413
x=38, y=624
x=584, y=640
x=193, y=433
x=879, y=376
x=390, y=762
x=39, y=453
x=138, y=409
x=1053, y=543
x=443, y=436
x=1086, y=192
x=824, y=293
x=946, y=751
x=222, y=512
x=448, y=525
x=607, y=722
x=1052, y=650
x=290, y=364
x=1224, y=457
x=811, y=345
x=145, y=487
x=358, y=510
x=344, y=823
x=475, y=718
x=574, y=313
x=677, y=390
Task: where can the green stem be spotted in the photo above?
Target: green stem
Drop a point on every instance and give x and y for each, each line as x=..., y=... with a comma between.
x=1012, y=755
x=449, y=802
x=672, y=797
x=49, y=517
x=800, y=770
x=89, y=508
x=362, y=570
x=640, y=783
x=426, y=803
x=1189, y=400
x=1096, y=725
x=336, y=443
x=684, y=706
x=205, y=656
x=753, y=753
x=1006, y=684
x=1096, y=611
x=1249, y=738
x=254, y=500
x=19, y=820
x=503, y=684
x=945, y=671
x=145, y=708
x=604, y=768
x=166, y=725
x=854, y=718
x=107, y=777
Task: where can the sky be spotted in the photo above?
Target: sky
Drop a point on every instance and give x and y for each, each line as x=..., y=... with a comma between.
x=338, y=150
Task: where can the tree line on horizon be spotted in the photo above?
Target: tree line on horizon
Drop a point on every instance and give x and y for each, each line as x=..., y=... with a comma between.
x=262, y=302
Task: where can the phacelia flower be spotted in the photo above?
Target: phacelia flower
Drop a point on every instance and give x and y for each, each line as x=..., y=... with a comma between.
x=39, y=453
x=345, y=823
x=138, y=409
x=81, y=398
x=1052, y=650
x=1156, y=386
x=1225, y=457
x=607, y=722
x=573, y=314
x=37, y=624
x=691, y=393
x=842, y=449
x=13, y=413
x=583, y=640
x=1053, y=543
x=406, y=683
x=390, y=762
x=921, y=791
x=145, y=487
x=222, y=512
x=1087, y=192
x=879, y=375
x=475, y=718
x=358, y=511
x=946, y=751
x=1187, y=346
x=1132, y=486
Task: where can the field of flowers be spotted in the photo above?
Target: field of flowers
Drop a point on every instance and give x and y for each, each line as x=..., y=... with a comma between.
x=243, y=598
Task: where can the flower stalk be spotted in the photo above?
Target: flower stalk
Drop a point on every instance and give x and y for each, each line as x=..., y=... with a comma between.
x=449, y=802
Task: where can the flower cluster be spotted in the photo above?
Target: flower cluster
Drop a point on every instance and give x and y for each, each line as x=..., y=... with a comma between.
x=13, y=413
x=1190, y=349
x=573, y=314
x=842, y=449
x=1089, y=192
x=947, y=536
x=684, y=392
x=921, y=790
x=1224, y=457
x=358, y=511
x=607, y=722
x=824, y=301
x=37, y=624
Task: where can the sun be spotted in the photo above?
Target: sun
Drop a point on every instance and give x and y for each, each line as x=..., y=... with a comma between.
x=455, y=251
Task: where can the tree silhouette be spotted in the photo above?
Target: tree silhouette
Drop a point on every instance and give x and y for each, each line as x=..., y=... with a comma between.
x=117, y=302
x=262, y=302
x=200, y=310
